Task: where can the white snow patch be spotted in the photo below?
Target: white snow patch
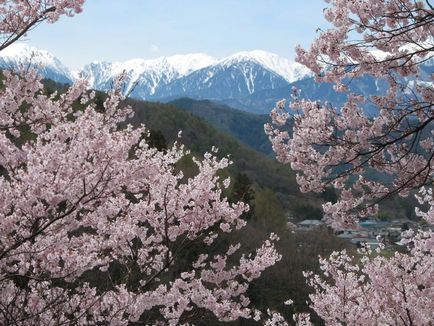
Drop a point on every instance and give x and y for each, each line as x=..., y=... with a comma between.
x=289, y=70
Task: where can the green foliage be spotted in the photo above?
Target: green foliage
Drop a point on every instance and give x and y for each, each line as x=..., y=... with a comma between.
x=50, y=87
x=329, y=195
x=156, y=139
x=267, y=186
x=305, y=211
x=268, y=208
x=187, y=166
x=384, y=216
x=246, y=127
x=200, y=137
x=242, y=190
x=99, y=101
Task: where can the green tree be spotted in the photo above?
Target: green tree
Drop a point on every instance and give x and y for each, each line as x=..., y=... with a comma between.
x=269, y=210
x=156, y=139
x=242, y=190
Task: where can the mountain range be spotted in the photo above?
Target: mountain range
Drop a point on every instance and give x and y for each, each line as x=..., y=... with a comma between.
x=251, y=81
x=197, y=75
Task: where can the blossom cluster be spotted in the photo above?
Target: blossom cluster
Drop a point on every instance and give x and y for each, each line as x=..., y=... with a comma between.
x=379, y=290
x=330, y=145
x=368, y=158
x=17, y=17
x=81, y=196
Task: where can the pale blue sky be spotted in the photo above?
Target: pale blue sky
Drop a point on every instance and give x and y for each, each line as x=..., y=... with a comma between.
x=117, y=30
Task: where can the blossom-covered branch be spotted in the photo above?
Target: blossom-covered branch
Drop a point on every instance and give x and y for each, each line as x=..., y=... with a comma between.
x=329, y=145
x=17, y=17
x=93, y=219
x=369, y=157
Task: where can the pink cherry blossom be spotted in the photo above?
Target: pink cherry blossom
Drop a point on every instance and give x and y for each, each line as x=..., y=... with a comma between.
x=17, y=17
x=391, y=40
x=81, y=197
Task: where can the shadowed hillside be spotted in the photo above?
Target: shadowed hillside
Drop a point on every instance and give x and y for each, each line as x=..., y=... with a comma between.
x=246, y=127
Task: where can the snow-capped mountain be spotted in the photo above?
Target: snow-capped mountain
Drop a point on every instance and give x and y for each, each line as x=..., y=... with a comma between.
x=21, y=55
x=290, y=71
x=262, y=102
x=195, y=75
x=251, y=81
x=145, y=76
x=235, y=77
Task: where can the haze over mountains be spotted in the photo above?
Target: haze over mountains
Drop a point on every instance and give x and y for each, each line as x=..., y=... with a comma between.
x=251, y=81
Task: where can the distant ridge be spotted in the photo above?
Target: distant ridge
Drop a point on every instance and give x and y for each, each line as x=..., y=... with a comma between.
x=251, y=81
x=195, y=75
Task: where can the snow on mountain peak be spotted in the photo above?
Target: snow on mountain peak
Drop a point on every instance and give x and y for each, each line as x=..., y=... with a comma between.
x=167, y=76
x=187, y=63
x=181, y=64
x=175, y=66
x=291, y=71
x=24, y=51
x=23, y=54
x=149, y=71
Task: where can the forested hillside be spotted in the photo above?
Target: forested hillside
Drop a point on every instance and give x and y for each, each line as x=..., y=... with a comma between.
x=246, y=127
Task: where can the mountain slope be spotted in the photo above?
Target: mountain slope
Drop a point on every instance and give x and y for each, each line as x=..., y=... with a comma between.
x=145, y=76
x=198, y=75
x=194, y=75
x=251, y=81
x=246, y=127
x=265, y=172
x=225, y=80
x=290, y=71
x=199, y=137
x=264, y=101
x=21, y=55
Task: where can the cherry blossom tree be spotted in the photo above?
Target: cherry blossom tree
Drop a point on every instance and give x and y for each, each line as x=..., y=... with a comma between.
x=392, y=41
x=93, y=219
x=17, y=17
